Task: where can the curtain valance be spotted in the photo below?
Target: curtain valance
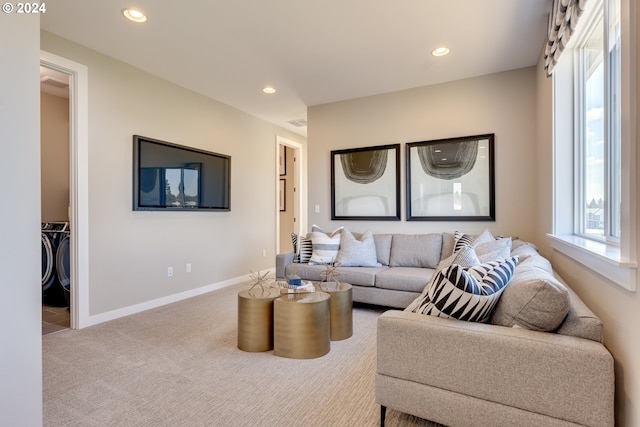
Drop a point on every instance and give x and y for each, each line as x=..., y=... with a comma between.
x=562, y=24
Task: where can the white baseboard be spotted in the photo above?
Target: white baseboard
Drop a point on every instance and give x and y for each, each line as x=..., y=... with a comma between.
x=159, y=302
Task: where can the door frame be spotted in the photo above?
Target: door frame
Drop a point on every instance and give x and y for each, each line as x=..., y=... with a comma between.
x=78, y=184
x=300, y=195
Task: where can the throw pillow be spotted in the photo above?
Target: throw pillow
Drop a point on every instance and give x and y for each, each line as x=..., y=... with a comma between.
x=468, y=293
x=534, y=300
x=325, y=246
x=467, y=239
x=302, y=248
x=357, y=252
x=465, y=257
x=494, y=250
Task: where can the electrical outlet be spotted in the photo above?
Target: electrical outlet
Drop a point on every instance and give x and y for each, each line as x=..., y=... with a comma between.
x=264, y=252
x=169, y=271
x=188, y=268
x=317, y=208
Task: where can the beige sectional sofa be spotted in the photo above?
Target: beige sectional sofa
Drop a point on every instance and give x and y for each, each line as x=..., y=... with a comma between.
x=405, y=263
x=538, y=360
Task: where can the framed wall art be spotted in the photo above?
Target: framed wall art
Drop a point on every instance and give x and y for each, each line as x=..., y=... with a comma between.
x=283, y=195
x=451, y=179
x=282, y=159
x=365, y=183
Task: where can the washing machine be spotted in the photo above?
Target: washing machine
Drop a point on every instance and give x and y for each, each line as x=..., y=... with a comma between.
x=63, y=265
x=52, y=235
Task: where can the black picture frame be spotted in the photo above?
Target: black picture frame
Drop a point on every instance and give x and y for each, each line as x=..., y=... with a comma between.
x=283, y=195
x=365, y=183
x=282, y=160
x=451, y=179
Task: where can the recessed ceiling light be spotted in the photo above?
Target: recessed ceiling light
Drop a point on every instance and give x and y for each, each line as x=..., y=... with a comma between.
x=269, y=89
x=134, y=15
x=441, y=51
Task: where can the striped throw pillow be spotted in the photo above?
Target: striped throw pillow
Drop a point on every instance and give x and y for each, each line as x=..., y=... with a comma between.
x=325, y=245
x=302, y=248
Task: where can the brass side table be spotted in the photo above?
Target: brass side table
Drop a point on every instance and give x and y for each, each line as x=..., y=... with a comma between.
x=341, y=305
x=301, y=325
x=255, y=319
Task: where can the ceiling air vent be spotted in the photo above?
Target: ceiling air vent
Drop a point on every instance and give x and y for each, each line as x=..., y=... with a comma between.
x=48, y=80
x=298, y=123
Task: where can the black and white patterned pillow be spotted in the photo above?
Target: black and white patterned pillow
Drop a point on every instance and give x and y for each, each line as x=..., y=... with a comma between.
x=302, y=248
x=463, y=239
x=467, y=293
x=466, y=257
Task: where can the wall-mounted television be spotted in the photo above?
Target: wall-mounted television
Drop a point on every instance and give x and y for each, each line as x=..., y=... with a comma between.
x=172, y=177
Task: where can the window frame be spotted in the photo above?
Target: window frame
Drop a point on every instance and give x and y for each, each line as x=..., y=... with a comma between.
x=614, y=259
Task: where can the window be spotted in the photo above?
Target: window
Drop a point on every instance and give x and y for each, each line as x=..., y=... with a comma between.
x=594, y=154
x=597, y=120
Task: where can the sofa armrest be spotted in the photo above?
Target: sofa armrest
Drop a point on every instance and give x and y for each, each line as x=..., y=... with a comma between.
x=559, y=376
x=282, y=260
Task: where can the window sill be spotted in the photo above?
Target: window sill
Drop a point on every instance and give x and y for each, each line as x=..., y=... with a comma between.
x=601, y=258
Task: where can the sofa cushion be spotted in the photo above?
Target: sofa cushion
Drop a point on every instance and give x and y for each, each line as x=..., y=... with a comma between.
x=533, y=300
x=302, y=248
x=411, y=279
x=325, y=245
x=417, y=250
x=524, y=250
x=534, y=261
x=360, y=276
x=468, y=293
x=359, y=252
x=580, y=321
x=383, y=247
x=448, y=243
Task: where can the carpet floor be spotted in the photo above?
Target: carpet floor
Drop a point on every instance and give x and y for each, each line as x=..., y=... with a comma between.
x=179, y=365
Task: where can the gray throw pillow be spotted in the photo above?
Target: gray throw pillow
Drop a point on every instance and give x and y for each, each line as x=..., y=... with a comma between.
x=357, y=252
x=494, y=250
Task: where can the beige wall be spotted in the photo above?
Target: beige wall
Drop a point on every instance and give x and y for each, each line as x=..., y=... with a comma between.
x=54, y=131
x=129, y=252
x=618, y=308
x=502, y=103
x=21, y=302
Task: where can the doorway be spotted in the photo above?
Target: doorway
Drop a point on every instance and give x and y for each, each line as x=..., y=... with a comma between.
x=77, y=201
x=55, y=190
x=290, y=193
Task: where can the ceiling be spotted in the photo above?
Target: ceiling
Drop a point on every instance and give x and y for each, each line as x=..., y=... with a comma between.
x=312, y=52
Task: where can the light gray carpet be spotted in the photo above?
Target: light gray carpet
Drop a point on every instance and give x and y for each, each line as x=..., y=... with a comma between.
x=179, y=365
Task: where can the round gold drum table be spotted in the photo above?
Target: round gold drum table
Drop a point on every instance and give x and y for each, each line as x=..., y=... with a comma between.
x=301, y=325
x=341, y=305
x=255, y=319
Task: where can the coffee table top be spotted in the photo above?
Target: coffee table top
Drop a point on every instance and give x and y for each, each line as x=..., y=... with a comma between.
x=305, y=297
x=256, y=293
x=332, y=286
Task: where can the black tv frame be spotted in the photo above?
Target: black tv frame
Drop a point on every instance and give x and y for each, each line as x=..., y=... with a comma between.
x=197, y=154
